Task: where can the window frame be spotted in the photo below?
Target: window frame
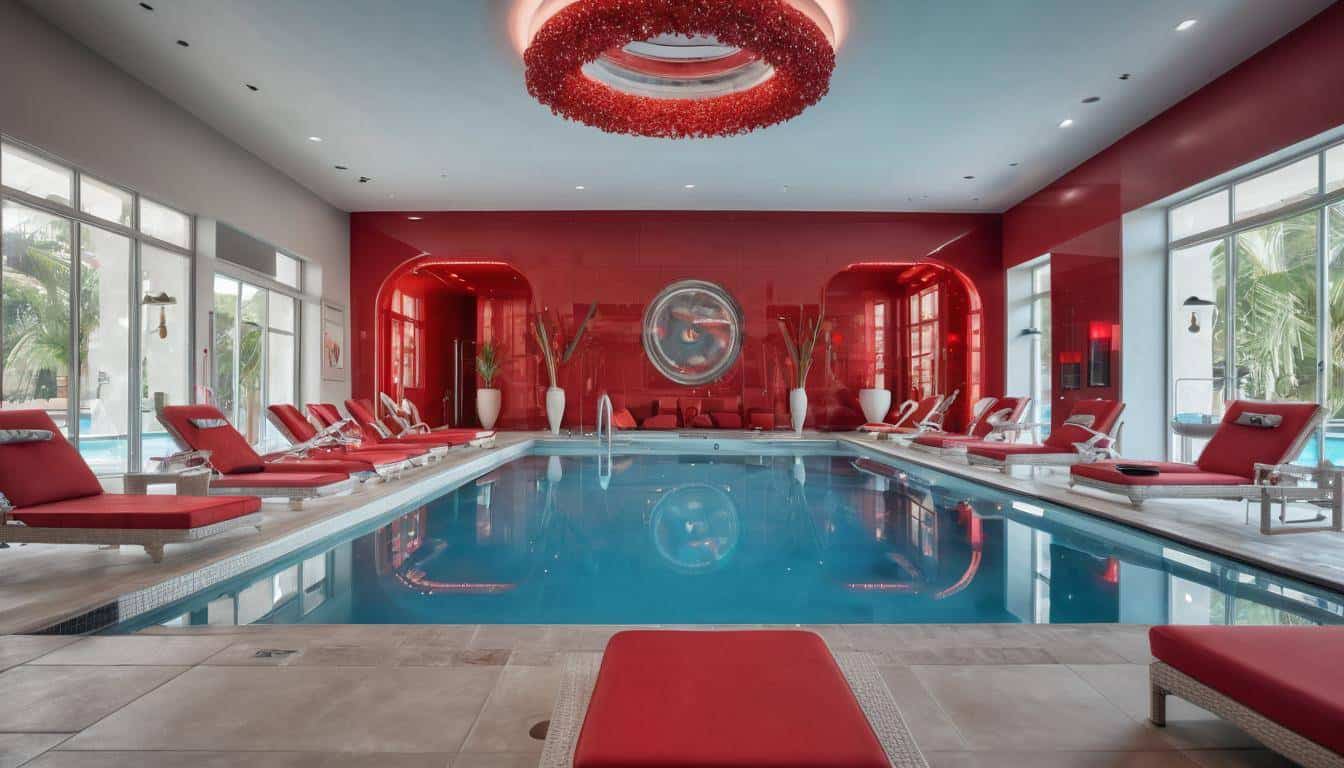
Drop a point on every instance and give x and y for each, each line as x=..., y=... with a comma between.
x=1319, y=204
x=75, y=214
x=1040, y=406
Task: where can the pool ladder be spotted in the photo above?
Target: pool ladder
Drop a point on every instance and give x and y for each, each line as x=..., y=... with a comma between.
x=605, y=412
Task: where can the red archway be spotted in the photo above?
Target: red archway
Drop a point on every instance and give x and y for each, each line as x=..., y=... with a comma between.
x=431, y=314
x=915, y=328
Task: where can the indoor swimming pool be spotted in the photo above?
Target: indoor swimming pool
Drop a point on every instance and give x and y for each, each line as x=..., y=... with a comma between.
x=765, y=533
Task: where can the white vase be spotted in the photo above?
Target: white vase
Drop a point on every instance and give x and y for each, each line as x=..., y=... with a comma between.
x=797, y=408
x=875, y=404
x=555, y=408
x=488, y=402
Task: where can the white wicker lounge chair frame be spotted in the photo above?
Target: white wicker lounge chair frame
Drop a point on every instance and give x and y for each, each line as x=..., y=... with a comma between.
x=1165, y=680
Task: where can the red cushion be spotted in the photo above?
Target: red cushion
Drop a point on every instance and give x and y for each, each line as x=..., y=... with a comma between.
x=325, y=413
x=1104, y=414
x=45, y=471
x=229, y=451
x=724, y=404
x=272, y=479
x=1235, y=449
x=623, y=419
x=727, y=419
x=346, y=465
x=1001, y=451
x=296, y=428
x=661, y=421
x=155, y=512
x=762, y=420
x=1287, y=674
x=689, y=409
x=702, y=421
x=769, y=698
x=426, y=440
x=1170, y=474
x=944, y=440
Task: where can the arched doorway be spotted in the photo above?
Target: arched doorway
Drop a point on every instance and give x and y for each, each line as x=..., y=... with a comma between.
x=432, y=316
x=913, y=328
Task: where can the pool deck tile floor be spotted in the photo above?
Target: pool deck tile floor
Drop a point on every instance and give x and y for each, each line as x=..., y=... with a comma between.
x=458, y=696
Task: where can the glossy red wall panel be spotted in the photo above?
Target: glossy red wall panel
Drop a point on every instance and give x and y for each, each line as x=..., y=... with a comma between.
x=622, y=259
x=1287, y=93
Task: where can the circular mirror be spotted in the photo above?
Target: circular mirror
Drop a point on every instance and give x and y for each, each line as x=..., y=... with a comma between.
x=693, y=332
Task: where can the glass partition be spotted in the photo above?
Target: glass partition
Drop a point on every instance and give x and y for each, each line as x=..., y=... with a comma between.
x=104, y=349
x=165, y=342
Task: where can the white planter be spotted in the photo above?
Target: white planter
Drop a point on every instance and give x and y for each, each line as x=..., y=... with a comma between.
x=797, y=409
x=555, y=408
x=488, y=401
x=875, y=404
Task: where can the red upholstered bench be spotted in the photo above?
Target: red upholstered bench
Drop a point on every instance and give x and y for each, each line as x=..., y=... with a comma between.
x=766, y=698
x=1283, y=685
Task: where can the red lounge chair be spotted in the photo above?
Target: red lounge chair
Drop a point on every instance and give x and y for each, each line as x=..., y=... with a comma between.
x=334, y=442
x=1001, y=422
x=1275, y=683
x=1247, y=459
x=762, y=698
x=1088, y=431
x=905, y=418
x=328, y=415
x=378, y=432
x=48, y=495
x=203, y=429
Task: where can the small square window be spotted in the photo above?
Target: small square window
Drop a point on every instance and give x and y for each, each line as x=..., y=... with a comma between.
x=98, y=198
x=1278, y=188
x=36, y=176
x=287, y=269
x=1206, y=213
x=1334, y=169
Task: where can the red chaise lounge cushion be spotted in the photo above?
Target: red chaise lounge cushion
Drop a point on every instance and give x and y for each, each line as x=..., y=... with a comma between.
x=1287, y=674
x=45, y=471
x=155, y=512
x=271, y=478
x=1235, y=449
x=1169, y=473
x=767, y=698
x=229, y=452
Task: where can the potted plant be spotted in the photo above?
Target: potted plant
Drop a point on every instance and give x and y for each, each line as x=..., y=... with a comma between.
x=800, y=348
x=488, y=398
x=548, y=338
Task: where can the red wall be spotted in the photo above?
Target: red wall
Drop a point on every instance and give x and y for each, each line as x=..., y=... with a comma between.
x=1289, y=92
x=769, y=261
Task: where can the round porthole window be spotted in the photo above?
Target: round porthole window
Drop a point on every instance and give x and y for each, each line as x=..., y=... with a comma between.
x=693, y=332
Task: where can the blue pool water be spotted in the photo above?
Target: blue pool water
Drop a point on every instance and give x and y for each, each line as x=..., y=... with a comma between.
x=808, y=537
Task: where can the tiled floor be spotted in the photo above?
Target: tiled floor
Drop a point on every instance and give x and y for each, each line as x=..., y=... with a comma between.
x=1039, y=696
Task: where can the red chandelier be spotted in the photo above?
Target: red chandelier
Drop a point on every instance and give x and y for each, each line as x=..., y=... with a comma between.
x=766, y=62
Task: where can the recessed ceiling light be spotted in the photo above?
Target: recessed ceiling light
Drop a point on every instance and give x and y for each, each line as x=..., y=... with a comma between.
x=968, y=178
x=1091, y=99
x=1013, y=165
x=252, y=87
x=147, y=6
x=364, y=179
x=1066, y=122
x=580, y=187
x=342, y=167
x=1184, y=25
x=690, y=186
x=315, y=138
x=1125, y=76
x=413, y=218
x=184, y=43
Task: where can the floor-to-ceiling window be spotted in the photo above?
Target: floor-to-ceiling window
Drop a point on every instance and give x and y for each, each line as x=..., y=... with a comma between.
x=1041, y=368
x=925, y=343
x=256, y=348
x=1257, y=303
x=94, y=306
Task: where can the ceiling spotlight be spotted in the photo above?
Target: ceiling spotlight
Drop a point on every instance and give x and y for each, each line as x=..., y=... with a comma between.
x=580, y=187
x=690, y=186
x=1184, y=25
x=1125, y=76
x=968, y=178
x=315, y=138
x=342, y=167
x=147, y=6
x=184, y=43
x=413, y=218
x=1091, y=99
x=364, y=179
x=1013, y=164
x=252, y=87
x=1066, y=122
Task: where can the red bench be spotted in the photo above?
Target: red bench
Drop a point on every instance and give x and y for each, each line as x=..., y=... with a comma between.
x=1282, y=685
x=760, y=699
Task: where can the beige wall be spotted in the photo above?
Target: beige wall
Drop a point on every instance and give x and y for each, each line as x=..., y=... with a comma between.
x=62, y=97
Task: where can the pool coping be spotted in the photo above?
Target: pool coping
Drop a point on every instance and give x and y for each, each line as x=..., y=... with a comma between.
x=101, y=614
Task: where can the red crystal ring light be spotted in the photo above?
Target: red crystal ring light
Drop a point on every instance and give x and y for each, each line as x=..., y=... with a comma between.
x=678, y=68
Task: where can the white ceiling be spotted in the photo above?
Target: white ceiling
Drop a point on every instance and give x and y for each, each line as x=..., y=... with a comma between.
x=427, y=98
